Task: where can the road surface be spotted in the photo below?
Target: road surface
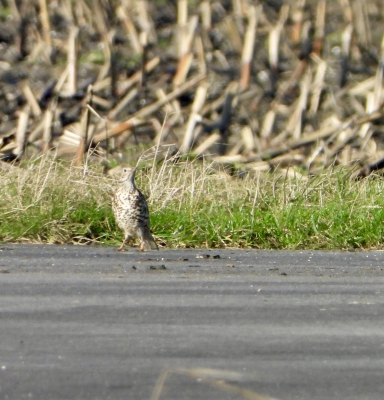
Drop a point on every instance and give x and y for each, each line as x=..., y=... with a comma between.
x=87, y=322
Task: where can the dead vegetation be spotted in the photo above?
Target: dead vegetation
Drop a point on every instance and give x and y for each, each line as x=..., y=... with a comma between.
x=262, y=84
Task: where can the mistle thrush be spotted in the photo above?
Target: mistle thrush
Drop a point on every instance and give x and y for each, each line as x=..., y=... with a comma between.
x=131, y=211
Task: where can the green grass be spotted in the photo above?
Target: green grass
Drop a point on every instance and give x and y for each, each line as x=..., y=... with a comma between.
x=194, y=204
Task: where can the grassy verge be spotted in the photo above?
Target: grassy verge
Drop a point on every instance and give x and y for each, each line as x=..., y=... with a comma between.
x=194, y=205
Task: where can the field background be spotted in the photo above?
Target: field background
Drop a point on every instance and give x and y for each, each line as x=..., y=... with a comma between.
x=255, y=124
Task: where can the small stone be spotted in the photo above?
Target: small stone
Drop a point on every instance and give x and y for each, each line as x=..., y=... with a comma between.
x=157, y=267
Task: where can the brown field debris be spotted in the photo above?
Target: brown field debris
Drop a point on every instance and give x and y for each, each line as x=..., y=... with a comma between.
x=261, y=84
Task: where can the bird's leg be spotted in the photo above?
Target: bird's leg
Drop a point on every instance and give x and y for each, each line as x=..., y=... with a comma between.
x=142, y=244
x=141, y=235
x=121, y=248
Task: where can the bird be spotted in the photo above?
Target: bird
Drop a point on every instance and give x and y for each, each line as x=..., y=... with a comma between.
x=131, y=211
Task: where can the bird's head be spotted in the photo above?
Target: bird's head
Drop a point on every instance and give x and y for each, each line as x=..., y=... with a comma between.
x=128, y=175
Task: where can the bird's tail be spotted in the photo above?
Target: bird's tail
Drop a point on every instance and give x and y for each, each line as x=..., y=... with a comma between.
x=150, y=242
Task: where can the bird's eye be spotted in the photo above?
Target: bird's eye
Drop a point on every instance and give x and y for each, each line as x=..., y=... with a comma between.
x=124, y=169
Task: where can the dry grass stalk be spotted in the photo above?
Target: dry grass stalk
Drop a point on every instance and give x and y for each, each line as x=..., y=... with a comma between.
x=373, y=99
x=48, y=122
x=249, y=43
x=207, y=143
x=45, y=24
x=111, y=57
x=130, y=28
x=172, y=107
x=346, y=39
x=297, y=18
x=37, y=131
x=319, y=27
x=69, y=143
x=101, y=24
x=144, y=112
x=273, y=48
x=295, y=122
x=206, y=15
x=317, y=86
x=362, y=87
x=186, y=55
x=201, y=56
x=340, y=143
x=347, y=11
x=145, y=22
x=80, y=11
x=248, y=139
x=378, y=88
x=123, y=103
x=118, y=129
x=239, y=15
x=321, y=134
x=268, y=124
x=21, y=133
x=183, y=68
x=62, y=79
x=85, y=117
x=233, y=33
x=15, y=11
x=236, y=150
x=34, y=105
x=182, y=18
x=136, y=77
x=369, y=108
x=72, y=60
x=194, y=117
x=103, y=103
x=361, y=22
x=166, y=129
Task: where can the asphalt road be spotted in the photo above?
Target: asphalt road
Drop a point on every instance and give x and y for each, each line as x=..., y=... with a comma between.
x=91, y=323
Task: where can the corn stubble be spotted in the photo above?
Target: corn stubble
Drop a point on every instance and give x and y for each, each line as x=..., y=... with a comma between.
x=264, y=84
